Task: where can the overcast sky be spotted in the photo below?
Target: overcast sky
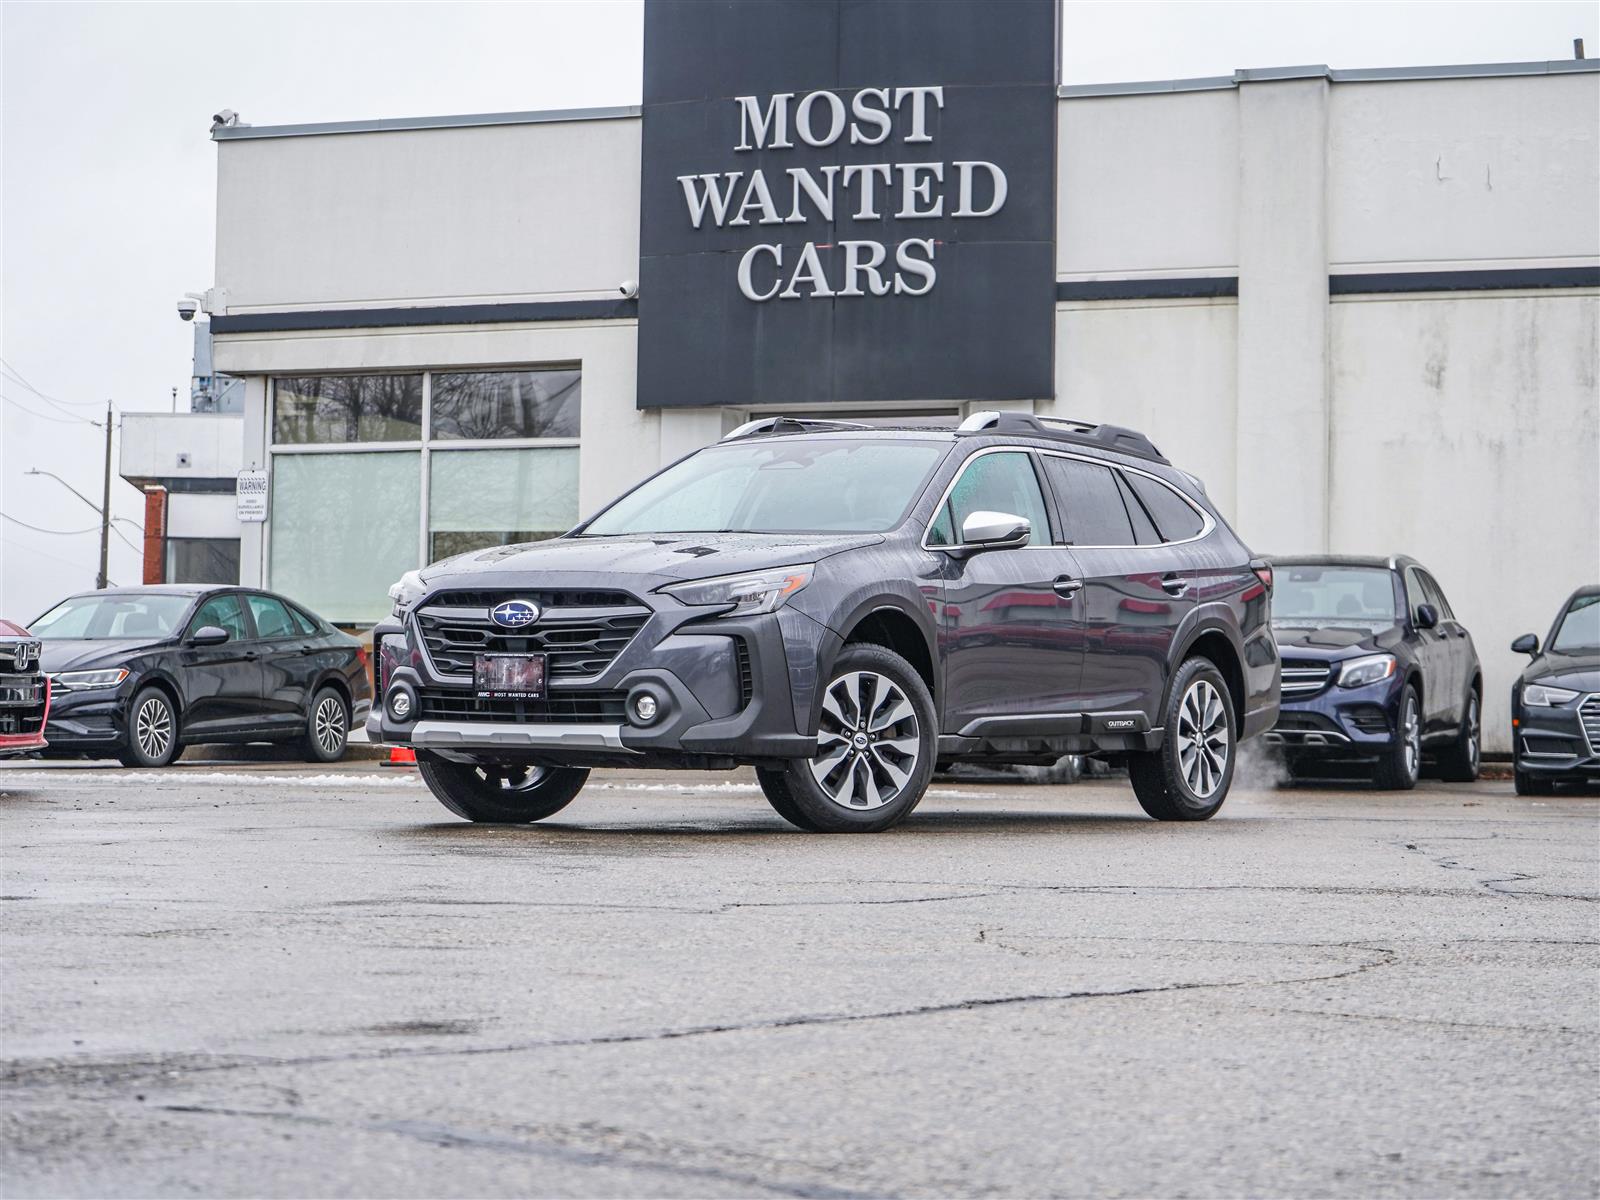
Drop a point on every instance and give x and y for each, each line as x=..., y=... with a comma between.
x=109, y=172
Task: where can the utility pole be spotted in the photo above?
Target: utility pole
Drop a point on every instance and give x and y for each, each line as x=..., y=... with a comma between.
x=105, y=505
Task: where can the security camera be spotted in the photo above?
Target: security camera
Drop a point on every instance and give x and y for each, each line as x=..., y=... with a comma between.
x=187, y=308
x=629, y=288
x=226, y=117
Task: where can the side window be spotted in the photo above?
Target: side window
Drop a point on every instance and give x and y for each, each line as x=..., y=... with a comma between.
x=1174, y=516
x=1144, y=529
x=1004, y=483
x=303, y=623
x=1435, y=594
x=225, y=612
x=272, y=618
x=1415, y=593
x=941, y=532
x=1091, y=506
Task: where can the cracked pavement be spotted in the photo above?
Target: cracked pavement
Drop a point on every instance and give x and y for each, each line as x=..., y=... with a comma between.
x=282, y=981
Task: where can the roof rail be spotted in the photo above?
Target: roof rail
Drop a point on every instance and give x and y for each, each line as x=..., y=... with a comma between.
x=789, y=425
x=1107, y=437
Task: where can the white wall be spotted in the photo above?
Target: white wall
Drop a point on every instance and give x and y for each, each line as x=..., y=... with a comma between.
x=1147, y=185
x=199, y=515
x=151, y=443
x=490, y=214
x=1466, y=432
x=1465, y=172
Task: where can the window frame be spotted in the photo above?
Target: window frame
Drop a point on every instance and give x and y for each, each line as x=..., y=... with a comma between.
x=1045, y=494
x=193, y=626
x=256, y=625
x=424, y=444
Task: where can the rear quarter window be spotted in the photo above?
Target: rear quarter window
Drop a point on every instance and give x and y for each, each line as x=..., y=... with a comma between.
x=1175, y=518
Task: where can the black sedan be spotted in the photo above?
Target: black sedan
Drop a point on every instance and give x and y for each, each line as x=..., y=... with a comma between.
x=1555, y=705
x=137, y=673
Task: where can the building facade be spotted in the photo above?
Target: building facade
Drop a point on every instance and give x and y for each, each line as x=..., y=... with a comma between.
x=1362, y=306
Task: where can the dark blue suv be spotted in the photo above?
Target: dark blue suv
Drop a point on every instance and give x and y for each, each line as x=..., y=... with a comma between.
x=1377, y=671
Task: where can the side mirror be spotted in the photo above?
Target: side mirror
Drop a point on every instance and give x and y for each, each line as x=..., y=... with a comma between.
x=208, y=635
x=1427, y=616
x=994, y=531
x=1527, y=644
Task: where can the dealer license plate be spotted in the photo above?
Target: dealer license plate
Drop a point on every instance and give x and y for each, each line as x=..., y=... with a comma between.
x=509, y=676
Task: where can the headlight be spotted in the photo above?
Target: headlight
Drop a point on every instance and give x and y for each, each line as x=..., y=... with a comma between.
x=1545, y=696
x=77, y=681
x=756, y=592
x=407, y=592
x=1359, y=672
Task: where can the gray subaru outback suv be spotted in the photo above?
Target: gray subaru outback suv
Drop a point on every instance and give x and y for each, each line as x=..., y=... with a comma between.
x=843, y=607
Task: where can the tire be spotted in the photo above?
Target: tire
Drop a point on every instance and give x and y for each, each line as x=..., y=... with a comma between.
x=152, y=730
x=775, y=786
x=502, y=795
x=1532, y=785
x=327, y=727
x=877, y=739
x=1188, y=777
x=1401, y=765
x=1460, y=762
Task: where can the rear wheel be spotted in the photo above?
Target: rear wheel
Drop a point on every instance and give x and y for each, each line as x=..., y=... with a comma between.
x=1459, y=763
x=152, y=730
x=327, y=727
x=876, y=740
x=503, y=795
x=1187, y=779
x=1401, y=764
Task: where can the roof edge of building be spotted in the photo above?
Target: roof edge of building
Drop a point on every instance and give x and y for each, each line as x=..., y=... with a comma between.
x=231, y=133
x=1213, y=83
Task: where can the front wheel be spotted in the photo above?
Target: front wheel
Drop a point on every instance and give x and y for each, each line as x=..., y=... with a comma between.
x=1401, y=765
x=152, y=730
x=502, y=795
x=876, y=740
x=1187, y=779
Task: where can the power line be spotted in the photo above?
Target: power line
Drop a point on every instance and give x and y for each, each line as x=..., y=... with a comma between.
x=18, y=376
x=67, y=420
x=57, y=532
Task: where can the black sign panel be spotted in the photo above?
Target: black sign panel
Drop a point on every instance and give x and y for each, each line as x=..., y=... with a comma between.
x=847, y=201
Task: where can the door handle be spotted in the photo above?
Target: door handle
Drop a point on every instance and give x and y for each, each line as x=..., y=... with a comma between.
x=1066, y=586
x=1173, y=586
x=250, y=655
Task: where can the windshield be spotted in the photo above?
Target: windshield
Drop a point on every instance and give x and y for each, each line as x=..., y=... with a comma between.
x=830, y=485
x=107, y=617
x=1310, y=596
x=1580, y=627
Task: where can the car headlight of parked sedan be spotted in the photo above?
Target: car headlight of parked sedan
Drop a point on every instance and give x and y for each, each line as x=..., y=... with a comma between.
x=751, y=593
x=406, y=592
x=82, y=681
x=1542, y=695
x=1359, y=672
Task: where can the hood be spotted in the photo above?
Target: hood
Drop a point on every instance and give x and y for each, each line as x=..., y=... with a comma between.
x=654, y=559
x=1334, y=643
x=79, y=654
x=1580, y=672
x=10, y=629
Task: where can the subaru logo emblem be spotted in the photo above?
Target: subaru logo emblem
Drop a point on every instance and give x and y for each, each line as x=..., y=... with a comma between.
x=514, y=614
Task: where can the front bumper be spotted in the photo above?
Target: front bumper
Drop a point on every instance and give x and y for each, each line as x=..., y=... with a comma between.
x=1559, y=743
x=24, y=713
x=724, y=690
x=87, y=721
x=1339, y=722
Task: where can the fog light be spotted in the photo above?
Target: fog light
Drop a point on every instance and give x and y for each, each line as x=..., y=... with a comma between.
x=400, y=704
x=645, y=708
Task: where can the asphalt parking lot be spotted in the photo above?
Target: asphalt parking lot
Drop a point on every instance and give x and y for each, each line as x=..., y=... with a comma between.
x=279, y=980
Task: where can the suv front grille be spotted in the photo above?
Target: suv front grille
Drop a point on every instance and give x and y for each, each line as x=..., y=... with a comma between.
x=1304, y=676
x=1589, y=717
x=580, y=637
x=564, y=708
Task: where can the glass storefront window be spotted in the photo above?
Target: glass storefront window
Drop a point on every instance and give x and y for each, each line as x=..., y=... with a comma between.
x=202, y=560
x=479, y=498
x=344, y=527
x=506, y=404
x=347, y=408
